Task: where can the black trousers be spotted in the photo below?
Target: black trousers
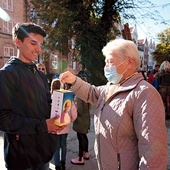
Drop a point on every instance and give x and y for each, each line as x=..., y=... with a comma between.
x=83, y=143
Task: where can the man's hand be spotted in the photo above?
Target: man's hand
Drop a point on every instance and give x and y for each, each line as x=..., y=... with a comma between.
x=52, y=127
x=67, y=77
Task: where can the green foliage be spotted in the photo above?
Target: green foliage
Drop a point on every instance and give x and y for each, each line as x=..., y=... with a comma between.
x=90, y=22
x=162, y=51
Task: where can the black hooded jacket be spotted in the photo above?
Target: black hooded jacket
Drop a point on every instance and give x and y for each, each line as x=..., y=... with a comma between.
x=24, y=107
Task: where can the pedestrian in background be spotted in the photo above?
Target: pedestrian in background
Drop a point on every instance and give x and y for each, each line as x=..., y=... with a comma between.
x=41, y=67
x=24, y=104
x=143, y=72
x=61, y=145
x=164, y=85
x=129, y=118
x=82, y=126
x=83, y=72
x=153, y=77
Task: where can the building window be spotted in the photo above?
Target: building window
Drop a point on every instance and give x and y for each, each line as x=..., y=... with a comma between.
x=7, y=4
x=54, y=61
x=7, y=27
x=8, y=51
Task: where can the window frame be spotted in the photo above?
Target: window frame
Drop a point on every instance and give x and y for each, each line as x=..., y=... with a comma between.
x=7, y=27
x=7, y=4
x=8, y=51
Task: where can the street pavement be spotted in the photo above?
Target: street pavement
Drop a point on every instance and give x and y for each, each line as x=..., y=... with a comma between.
x=72, y=150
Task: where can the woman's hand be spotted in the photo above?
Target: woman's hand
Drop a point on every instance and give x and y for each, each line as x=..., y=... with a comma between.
x=68, y=77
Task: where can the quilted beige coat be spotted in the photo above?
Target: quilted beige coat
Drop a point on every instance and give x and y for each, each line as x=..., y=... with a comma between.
x=130, y=129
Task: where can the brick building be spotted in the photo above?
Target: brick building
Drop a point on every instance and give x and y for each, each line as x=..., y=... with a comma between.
x=18, y=10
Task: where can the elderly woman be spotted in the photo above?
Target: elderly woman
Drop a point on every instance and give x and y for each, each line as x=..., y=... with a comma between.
x=129, y=118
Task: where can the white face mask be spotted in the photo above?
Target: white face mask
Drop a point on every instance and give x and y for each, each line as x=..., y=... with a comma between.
x=112, y=75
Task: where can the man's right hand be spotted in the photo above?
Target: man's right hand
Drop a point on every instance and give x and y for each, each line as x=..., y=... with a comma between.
x=52, y=127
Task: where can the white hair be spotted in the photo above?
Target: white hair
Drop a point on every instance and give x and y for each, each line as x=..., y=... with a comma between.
x=165, y=67
x=125, y=48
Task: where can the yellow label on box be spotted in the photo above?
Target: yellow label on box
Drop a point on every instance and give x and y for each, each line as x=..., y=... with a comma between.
x=61, y=105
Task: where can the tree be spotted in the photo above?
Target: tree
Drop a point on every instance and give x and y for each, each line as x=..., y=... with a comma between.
x=90, y=22
x=162, y=51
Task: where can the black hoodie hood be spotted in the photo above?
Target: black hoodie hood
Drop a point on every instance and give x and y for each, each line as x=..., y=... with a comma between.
x=16, y=61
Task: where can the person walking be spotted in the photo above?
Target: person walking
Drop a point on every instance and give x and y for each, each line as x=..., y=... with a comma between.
x=25, y=104
x=129, y=118
x=61, y=145
x=164, y=85
x=82, y=126
x=153, y=77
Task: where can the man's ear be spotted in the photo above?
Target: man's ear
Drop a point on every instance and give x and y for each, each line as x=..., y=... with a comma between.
x=17, y=42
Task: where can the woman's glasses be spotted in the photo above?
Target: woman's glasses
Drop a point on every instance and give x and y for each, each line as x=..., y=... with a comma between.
x=41, y=69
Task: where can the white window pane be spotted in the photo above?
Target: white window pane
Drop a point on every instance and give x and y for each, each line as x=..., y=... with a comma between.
x=8, y=51
x=11, y=52
x=4, y=26
x=5, y=51
x=5, y=4
x=10, y=25
x=10, y=5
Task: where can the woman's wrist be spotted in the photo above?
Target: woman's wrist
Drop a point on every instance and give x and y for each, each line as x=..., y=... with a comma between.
x=74, y=82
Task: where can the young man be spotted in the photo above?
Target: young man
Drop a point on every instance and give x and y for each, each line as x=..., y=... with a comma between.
x=29, y=142
x=129, y=117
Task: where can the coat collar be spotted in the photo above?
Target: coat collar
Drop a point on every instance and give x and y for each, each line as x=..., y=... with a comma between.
x=128, y=85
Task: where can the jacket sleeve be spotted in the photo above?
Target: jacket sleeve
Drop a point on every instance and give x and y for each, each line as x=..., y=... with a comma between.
x=149, y=124
x=87, y=92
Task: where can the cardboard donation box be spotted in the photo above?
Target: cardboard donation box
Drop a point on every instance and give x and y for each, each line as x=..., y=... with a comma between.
x=61, y=105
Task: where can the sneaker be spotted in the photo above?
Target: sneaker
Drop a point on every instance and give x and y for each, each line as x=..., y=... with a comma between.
x=77, y=161
x=86, y=156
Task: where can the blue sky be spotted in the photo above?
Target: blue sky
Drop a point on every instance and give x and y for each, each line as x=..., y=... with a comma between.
x=148, y=27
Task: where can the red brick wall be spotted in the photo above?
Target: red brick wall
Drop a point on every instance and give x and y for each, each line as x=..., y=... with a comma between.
x=17, y=15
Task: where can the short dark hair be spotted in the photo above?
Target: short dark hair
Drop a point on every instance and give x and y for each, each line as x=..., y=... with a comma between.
x=157, y=65
x=22, y=30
